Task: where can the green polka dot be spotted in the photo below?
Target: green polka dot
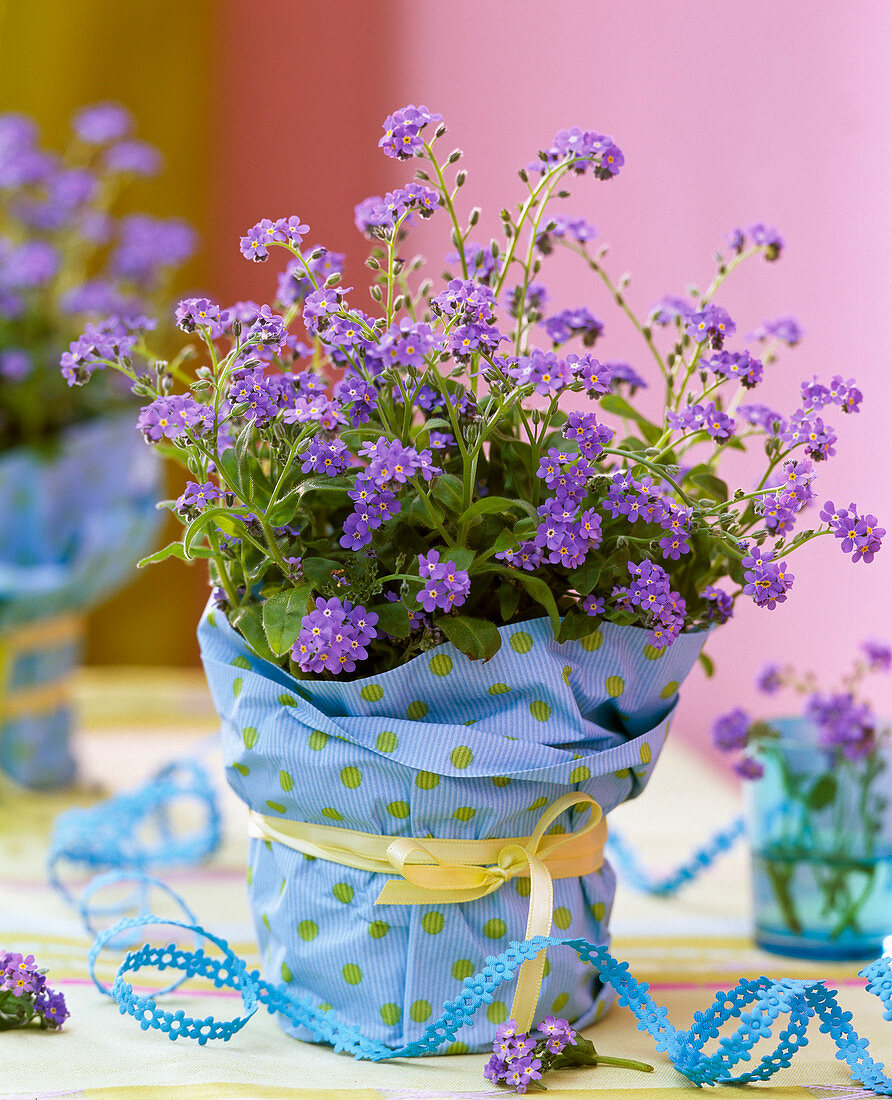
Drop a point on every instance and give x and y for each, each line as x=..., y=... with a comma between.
x=318, y=740
x=398, y=809
x=556, y=830
x=498, y=689
x=540, y=710
x=433, y=923
x=286, y=781
x=324, y=1006
x=669, y=690
x=352, y=974
x=546, y=969
x=351, y=777
x=464, y=813
x=343, y=891
x=462, y=968
x=277, y=806
x=386, y=741
x=390, y=1014
x=242, y=662
x=598, y=910
x=559, y=1002
x=494, y=929
x=522, y=886
x=427, y=780
x=622, y=773
x=440, y=664
x=250, y=736
x=521, y=642
x=538, y=804
x=652, y=653
x=461, y=756
x=308, y=930
x=645, y=753
x=417, y=710
x=265, y=920
x=566, y=674
x=237, y=685
x=500, y=780
x=282, y=887
x=211, y=619
x=372, y=693
x=579, y=775
x=563, y=917
x=287, y=700
x=249, y=874
x=614, y=686
x=378, y=929
x=420, y=1011
x=287, y=976
x=332, y=814
x=497, y=1012
x=458, y=1048
x=592, y=641
x=242, y=769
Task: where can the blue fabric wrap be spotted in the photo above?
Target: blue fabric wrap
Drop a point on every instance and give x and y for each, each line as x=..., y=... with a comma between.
x=76, y=520
x=445, y=747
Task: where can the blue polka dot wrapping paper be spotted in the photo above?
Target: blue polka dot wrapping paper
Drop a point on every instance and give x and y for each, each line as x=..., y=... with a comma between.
x=76, y=521
x=441, y=747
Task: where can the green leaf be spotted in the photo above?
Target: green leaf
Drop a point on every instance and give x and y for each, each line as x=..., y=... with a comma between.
x=282, y=616
x=490, y=506
x=542, y=594
x=712, y=486
x=822, y=793
x=282, y=512
x=509, y=598
x=224, y=518
x=248, y=622
x=172, y=550
x=708, y=665
x=476, y=638
x=448, y=490
x=576, y=624
x=585, y=577
x=393, y=618
x=318, y=570
x=461, y=556
x=506, y=540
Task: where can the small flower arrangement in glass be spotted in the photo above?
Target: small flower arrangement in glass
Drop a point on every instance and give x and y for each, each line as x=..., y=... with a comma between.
x=25, y=997
x=385, y=499
x=821, y=814
x=413, y=474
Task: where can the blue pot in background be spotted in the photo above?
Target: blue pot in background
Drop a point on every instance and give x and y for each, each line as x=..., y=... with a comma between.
x=821, y=832
x=74, y=523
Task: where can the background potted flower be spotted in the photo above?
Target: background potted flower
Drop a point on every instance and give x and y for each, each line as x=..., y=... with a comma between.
x=77, y=487
x=820, y=814
x=452, y=604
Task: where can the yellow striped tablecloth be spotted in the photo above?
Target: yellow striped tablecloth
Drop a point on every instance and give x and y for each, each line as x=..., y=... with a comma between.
x=132, y=721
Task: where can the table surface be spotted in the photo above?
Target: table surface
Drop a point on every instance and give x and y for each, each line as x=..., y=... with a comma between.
x=134, y=720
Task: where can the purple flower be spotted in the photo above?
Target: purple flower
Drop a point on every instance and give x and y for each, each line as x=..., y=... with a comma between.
x=712, y=323
x=137, y=158
x=294, y=282
x=785, y=329
x=102, y=123
x=584, y=150
x=761, y=416
x=723, y=607
x=29, y=265
x=670, y=309
x=767, y=581
x=593, y=605
x=731, y=731
x=542, y=370
x=770, y=678
x=197, y=497
x=878, y=654
x=737, y=364
x=843, y=724
x=148, y=245
x=402, y=131
x=480, y=260
x=171, y=417
x=623, y=373
x=319, y=305
x=334, y=636
x=562, y=225
x=568, y=323
x=322, y=456
x=195, y=313
x=15, y=364
x=445, y=585
x=749, y=768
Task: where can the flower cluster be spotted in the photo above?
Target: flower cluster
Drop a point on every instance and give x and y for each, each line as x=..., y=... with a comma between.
x=519, y=1061
x=25, y=997
x=66, y=259
x=368, y=485
x=845, y=726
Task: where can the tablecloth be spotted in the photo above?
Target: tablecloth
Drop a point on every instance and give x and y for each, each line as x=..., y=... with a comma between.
x=134, y=720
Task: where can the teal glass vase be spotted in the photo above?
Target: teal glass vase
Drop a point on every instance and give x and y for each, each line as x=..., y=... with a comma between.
x=821, y=832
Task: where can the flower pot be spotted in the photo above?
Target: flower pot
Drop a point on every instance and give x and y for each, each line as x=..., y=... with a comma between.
x=821, y=830
x=443, y=748
x=76, y=518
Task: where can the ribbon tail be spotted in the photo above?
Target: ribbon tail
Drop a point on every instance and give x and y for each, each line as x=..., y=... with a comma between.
x=532, y=971
x=400, y=892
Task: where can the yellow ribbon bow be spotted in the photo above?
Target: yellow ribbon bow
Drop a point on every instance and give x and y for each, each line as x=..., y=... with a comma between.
x=454, y=871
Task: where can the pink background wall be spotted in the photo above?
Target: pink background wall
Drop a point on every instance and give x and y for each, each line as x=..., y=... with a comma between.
x=727, y=113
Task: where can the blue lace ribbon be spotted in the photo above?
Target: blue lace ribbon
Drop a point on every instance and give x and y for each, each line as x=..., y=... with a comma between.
x=135, y=831
x=626, y=860
x=762, y=1006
